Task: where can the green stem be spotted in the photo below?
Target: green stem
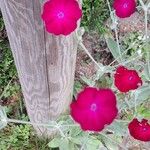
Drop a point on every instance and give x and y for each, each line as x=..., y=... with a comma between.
x=142, y=3
x=123, y=121
x=53, y=123
x=117, y=39
x=108, y=3
x=60, y=131
x=30, y=123
x=148, y=6
x=116, y=33
x=127, y=103
x=148, y=60
x=146, y=22
x=126, y=62
x=87, y=52
x=145, y=8
x=135, y=106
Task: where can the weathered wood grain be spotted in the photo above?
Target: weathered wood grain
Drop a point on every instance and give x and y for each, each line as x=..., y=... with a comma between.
x=45, y=63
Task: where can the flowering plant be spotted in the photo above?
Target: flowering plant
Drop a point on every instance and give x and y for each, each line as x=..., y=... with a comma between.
x=60, y=17
x=102, y=116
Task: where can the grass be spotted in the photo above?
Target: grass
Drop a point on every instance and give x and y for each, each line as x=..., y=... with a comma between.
x=21, y=137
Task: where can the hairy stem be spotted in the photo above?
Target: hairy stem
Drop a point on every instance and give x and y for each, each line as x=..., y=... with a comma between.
x=146, y=22
x=87, y=52
x=51, y=124
x=30, y=123
x=116, y=33
x=117, y=39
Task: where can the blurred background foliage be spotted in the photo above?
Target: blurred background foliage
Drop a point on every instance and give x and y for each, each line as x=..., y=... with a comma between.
x=95, y=13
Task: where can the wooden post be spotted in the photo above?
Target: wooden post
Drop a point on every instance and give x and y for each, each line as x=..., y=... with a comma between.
x=45, y=63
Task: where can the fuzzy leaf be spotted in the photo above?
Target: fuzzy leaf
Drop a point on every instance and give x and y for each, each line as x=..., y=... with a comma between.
x=141, y=95
x=119, y=128
x=77, y=140
x=75, y=131
x=113, y=47
x=147, y=71
x=112, y=142
x=64, y=144
x=93, y=144
x=3, y=118
x=145, y=112
x=88, y=81
x=54, y=143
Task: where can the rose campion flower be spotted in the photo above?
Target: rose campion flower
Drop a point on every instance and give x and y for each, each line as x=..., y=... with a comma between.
x=61, y=16
x=94, y=108
x=140, y=130
x=124, y=8
x=126, y=80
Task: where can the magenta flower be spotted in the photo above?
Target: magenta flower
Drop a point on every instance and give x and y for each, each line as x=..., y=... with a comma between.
x=140, y=130
x=124, y=8
x=61, y=16
x=126, y=80
x=94, y=108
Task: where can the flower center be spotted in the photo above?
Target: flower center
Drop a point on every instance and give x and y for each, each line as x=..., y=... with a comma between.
x=144, y=129
x=125, y=5
x=93, y=107
x=130, y=78
x=60, y=15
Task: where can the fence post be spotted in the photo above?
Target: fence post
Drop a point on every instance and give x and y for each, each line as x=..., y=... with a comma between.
x=45, y=63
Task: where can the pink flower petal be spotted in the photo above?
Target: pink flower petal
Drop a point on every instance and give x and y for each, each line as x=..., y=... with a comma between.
x=69, y=26
x=86, y=97
x=94, y=108
x=54, y=27
x=93, y=123
x=61, y=16
x=140, y=130
x=124, y=8
x=126, y=80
